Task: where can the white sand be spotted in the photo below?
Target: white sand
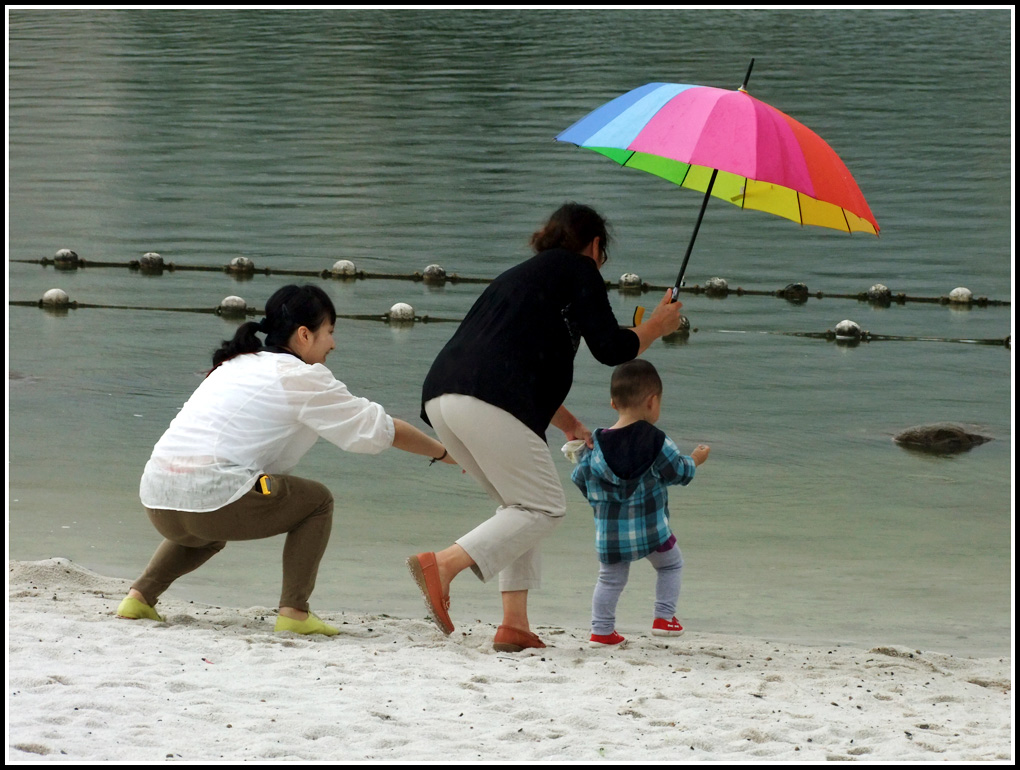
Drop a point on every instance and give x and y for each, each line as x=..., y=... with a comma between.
x=216, y=684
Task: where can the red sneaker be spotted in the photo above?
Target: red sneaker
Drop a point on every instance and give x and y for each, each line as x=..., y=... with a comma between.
x=663, y=627
x=606, y=639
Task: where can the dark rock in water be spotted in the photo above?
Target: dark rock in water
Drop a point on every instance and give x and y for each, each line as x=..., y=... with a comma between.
x=795, y=293
x=941, y=438
x=18, y=379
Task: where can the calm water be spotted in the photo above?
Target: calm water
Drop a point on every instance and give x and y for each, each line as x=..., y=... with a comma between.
x=398, y=139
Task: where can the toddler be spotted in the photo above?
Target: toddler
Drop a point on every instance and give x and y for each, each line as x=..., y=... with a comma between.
x=624, y=478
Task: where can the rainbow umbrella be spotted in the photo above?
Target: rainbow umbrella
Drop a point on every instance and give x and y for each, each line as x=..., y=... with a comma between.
x=729, y=145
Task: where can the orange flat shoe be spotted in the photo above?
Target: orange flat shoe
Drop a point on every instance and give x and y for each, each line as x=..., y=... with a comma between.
x=426, y=574
x=509, y=639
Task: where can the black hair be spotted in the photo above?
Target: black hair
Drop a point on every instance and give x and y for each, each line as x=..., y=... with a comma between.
x=633, y=382
x=290, y=308
x=573, y=226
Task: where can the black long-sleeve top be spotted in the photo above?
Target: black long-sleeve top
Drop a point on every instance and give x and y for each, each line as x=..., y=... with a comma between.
x=515, y=348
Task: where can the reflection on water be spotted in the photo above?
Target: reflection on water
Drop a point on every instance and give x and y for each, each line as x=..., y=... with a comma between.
x=401, y=138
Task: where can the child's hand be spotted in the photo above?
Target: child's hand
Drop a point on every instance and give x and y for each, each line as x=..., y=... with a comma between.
x=700, y=454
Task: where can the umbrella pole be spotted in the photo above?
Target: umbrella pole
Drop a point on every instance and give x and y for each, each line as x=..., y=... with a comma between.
x=690, y=246
x=704, y=204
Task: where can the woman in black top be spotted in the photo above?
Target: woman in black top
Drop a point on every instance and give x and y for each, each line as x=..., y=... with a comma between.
x=496, y=387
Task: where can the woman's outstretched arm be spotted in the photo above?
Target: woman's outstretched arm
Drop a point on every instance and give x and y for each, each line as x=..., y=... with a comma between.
x=410, y=439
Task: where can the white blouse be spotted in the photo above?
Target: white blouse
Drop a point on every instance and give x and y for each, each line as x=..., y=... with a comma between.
x=256, y=413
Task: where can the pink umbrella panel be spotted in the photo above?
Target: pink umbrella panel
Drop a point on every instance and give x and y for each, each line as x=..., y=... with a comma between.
x=765, y=160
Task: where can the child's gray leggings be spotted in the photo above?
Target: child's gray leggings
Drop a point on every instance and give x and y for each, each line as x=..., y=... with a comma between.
x=613, y=578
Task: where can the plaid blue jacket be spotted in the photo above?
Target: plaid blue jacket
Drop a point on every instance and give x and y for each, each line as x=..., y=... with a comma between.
x=631, y=514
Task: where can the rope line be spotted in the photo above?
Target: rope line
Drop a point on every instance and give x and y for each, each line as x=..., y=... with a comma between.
x=676, y=337
x=792, y=293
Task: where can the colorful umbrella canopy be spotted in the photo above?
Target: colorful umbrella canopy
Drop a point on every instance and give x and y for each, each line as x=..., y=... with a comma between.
x=730, y=145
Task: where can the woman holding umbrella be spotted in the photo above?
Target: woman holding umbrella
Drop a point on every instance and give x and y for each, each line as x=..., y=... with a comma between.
x=495, y=388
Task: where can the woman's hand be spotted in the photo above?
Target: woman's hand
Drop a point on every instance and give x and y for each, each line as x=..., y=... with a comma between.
x=665, y=319
x=572, y=427
x=445, y=457
x=581, y=433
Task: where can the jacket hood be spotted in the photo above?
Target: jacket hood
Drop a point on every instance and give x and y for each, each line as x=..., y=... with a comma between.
x=621, y=457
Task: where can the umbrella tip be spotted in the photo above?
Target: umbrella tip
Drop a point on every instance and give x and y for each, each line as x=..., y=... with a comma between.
x=747, y=77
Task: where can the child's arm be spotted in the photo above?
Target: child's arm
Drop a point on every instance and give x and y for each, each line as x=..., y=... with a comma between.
x=674, y=467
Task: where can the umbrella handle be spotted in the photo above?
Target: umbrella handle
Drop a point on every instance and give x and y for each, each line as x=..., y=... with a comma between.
x=690, y=246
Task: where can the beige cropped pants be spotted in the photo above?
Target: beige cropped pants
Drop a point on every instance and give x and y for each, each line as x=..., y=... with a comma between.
x=515, y=467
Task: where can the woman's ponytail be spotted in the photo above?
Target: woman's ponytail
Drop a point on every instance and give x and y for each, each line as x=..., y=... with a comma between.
x=244, y=341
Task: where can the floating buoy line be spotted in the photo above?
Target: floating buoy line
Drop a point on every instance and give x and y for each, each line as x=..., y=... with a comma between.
x=630, y=283
x=403, y=314
x=846, y=332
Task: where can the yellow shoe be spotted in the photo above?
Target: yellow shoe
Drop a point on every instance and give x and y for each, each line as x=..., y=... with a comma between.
x=311, y=625
x=132, y=609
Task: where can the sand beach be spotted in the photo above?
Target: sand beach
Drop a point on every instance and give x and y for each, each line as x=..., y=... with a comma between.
x=216, y=684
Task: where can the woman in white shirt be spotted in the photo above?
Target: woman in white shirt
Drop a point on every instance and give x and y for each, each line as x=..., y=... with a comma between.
x=220, y=472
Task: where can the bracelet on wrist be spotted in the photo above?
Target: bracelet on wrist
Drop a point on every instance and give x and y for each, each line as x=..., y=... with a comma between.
x=437, y=459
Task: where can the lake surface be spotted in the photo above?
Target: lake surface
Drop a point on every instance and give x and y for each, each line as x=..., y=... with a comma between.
x=398, y=139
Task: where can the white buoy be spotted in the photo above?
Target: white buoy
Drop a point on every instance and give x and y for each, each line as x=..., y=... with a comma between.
x=434, y=274
x=961, y=295
x=65, y=259
x=682, y=333
x=241, y=265
x=630, y=282
x=55, y=298
x=343, y=267
x=716, y=286
x=848, y=330
x=151, y=260
x=232, y=306
x=879, y=291
x=402, y=312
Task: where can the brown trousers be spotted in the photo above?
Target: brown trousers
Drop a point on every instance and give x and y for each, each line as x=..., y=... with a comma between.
x=300, y=508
